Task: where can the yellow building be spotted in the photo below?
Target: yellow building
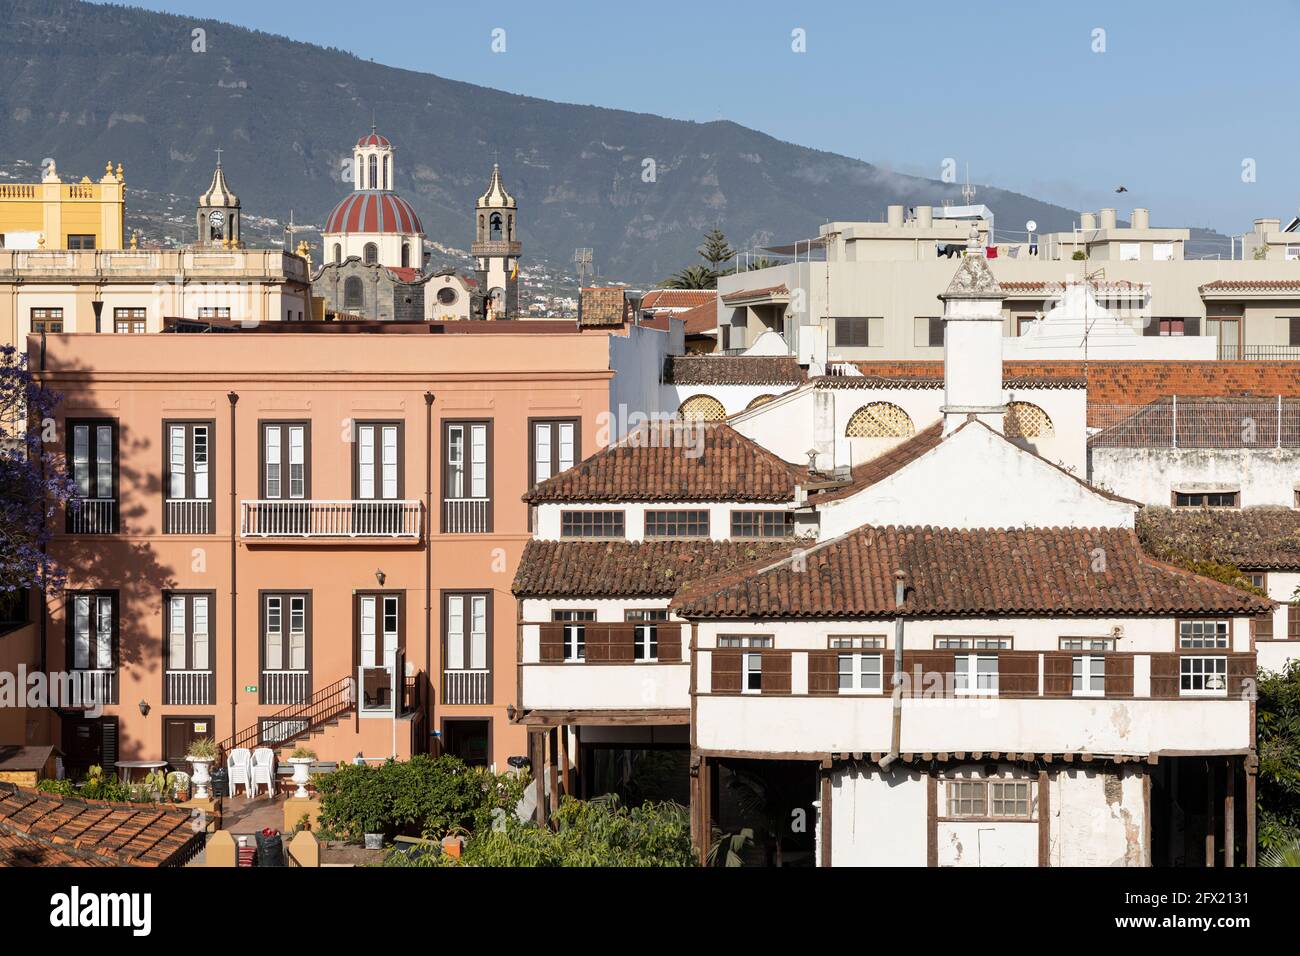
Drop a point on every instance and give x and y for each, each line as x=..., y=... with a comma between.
x=54, y=215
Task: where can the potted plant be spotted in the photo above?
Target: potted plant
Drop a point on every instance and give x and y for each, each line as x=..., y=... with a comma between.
x=302, y=758
x=203, y=751
x=179, y=782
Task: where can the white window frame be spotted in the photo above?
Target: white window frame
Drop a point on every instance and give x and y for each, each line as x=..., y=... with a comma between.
x=863, y=669
x=1197, y=641
x=964, y=665
x=1090, y=667
x=1130, y=252
x=1204, y=676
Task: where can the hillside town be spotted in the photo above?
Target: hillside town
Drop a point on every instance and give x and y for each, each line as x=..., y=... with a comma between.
x=902, y=545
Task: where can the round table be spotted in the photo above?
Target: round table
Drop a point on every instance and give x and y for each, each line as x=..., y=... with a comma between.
x=124, y=767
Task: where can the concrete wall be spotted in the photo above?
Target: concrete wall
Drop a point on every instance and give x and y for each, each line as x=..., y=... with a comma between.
x=1098, y=817
x=877, y=818
x=1149, y=475
x=637, y=359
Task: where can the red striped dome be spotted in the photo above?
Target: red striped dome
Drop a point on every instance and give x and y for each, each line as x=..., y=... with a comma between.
x=373, y=139
x=372, y=210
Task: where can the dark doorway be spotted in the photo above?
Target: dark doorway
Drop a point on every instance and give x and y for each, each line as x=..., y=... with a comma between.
x=1190, y=800
x=468, y=739
x=774, y=799
x=178, y=734
x=637, y=775
x=89, y=742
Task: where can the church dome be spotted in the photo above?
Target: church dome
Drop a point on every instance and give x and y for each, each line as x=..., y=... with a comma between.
x=374, y=139
x=218, y=193
x=373, y=210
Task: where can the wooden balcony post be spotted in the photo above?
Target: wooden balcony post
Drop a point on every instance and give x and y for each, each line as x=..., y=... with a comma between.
x=564, y=760
x=1229, y=812
x=1209, y=813
x=552, y=770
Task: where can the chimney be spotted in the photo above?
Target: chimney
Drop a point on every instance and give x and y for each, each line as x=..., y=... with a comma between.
x=972, y=342
x=1141, y=219
x=925, y=216
x=1108, y=219
x=894, y=216
x=1263, y=226
x=1087, y=221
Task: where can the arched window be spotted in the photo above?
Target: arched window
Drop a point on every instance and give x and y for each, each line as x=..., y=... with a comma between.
x=386, y=180
x=1026, y=420
x=702, y=408
x=759, y=400
x=370, y=254
x=338, y=252
x=447, y=295
x=496, y=226
x=374, y=172
x=406, y=255
x=510, y=227
x=880, y=420
x=354, y=296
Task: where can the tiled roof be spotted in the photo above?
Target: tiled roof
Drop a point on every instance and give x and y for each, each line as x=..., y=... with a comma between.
x=602, y=306
x=373, y=210
x=407, y=275
x=745, y=295
x=676, y=461
x=678, y=298
x=882, y=466
x=1252, y=285
x=871, y=381
x=1048, y=572
x=1263, y=539
x=1126, y=382
x=36, y=825
x=733, y=370
x=1054, y=287
x=700, y=320
x=630, y=568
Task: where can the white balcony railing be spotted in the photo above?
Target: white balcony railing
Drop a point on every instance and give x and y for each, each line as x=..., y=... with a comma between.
x=189, y=515
x=189, y=687
x=92, y=515
x=330, y=519
x=466, y=686
x=91, y=687
x=465, y=515
x=285, y=687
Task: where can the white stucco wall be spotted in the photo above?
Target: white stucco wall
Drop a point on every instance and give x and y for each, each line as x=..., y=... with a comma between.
x=549, y=519
x=635, y=393
x=1263, y=476
x=877, y=818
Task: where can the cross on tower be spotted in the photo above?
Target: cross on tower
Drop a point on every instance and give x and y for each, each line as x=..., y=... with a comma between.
x=219, y=151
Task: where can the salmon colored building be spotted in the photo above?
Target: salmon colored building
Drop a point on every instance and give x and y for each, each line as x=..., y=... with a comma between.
x=305, y=536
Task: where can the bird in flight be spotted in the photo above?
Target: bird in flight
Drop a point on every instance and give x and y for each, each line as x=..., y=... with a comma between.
x=1122, y=189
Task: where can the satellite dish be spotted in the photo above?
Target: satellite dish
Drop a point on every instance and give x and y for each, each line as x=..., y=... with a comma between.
x=1031, y=226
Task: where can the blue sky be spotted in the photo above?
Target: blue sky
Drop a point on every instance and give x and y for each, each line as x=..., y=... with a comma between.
x=1182, y=95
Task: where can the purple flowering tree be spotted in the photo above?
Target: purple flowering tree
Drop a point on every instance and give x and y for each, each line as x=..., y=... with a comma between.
x=33, y=478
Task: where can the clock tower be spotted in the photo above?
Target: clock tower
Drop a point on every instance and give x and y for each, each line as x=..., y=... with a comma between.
x=218, y=213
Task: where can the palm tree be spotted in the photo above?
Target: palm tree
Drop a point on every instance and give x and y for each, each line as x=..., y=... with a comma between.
x=693, y=277
x=1285, y=854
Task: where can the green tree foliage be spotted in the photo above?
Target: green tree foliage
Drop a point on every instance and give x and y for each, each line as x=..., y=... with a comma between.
x=599, y=832
x=692, y=277
x=716, y=251
x=424, y=796
x=1278, y=727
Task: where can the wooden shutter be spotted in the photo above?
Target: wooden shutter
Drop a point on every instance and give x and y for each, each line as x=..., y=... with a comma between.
x=1292, y=622
x=920, y=668
x=599, y=641
x=1017, y=674
x=670, y=642
x=1058, y=674
x=726, y=670
x=1261, y=625
x=552, y=642
x=1119, y=675
x=824, y=672
x=776, y=671
x=1241, y=669
x=1164, y=676
x=108, y=744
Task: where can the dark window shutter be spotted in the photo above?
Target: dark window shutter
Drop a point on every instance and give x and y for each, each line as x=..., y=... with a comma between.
x=1292, y=622
x=1017, y=674
x=1241, y=668
x=1058, y=674
x=1119, y=675
x=598, y=640
x=108, y=743
x=824, y=672
x=776, y=672
x=726, y=671
x=670, y=642
x=1263, y=625
x=928, y=673
x=1294, y=337
x=552, y=642
x=1191, y=326
x=1164, y=676
x=621, y=642
x=936, y=331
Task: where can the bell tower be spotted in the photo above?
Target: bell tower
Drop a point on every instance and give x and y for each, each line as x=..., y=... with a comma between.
x=496, y=248
x=218, y=212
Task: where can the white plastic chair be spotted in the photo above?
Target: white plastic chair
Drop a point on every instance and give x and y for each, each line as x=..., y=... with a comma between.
x=240, y=768
x=264, y=769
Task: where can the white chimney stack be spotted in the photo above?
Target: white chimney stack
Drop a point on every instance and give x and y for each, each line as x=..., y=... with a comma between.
x=972, y=342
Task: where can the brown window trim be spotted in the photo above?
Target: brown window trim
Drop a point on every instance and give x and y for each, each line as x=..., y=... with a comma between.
x=189, y=637
x=69, y=614
x=1236, y=500
x=378, y=425
x=70, y=425
x=1011, y=642
x=555, y=460
x=446, y=425
x=683, y=517
x=489, y=623
x=283, y=423
x=609, y=513
x=1178, y=635
x=356, y=621
x=262, y=595
x=213, y=471
x=758, y=516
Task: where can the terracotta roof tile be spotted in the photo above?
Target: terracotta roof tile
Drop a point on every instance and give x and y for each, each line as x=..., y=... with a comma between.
x=1252, y=285
x=733, y=370
x=91, y=832
x=1258, y=539
x=601, y=307
x=630, y=568
x=981, y=572
x=744, y=295
x=676, y=461
x=882, y=466
x=678, y=298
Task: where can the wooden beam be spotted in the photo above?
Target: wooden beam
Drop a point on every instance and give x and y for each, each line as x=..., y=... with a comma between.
x=564, y=761
x=1250, y=812
x=1044, y=820
x=931, y=820
x=1209, y=814
x=1229, y=812
x=537, y=760
x=825, y=820
x=552, y=769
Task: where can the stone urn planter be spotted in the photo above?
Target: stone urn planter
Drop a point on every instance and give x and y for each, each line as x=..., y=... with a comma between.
x=301, y=766
x=200, y=778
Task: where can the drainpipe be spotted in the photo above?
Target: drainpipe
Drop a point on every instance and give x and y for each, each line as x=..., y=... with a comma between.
x=428, y=564
x=896, y=737
x=234, y=619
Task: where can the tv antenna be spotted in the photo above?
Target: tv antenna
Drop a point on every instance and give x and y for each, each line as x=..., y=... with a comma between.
x=582, y=259
x=968, y=191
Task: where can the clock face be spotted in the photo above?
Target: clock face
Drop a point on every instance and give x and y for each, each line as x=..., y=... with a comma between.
x=218, y=218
